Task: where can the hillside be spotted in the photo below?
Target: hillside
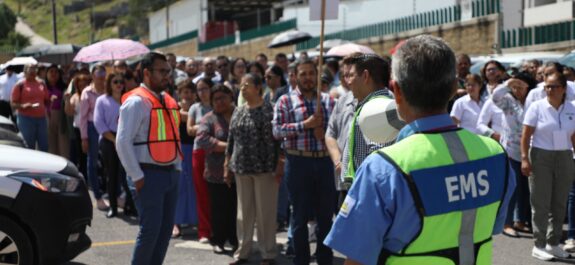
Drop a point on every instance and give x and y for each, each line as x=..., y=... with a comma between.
x=73, y=27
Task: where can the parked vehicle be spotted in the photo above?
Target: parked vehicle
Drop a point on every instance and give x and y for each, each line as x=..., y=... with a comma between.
x=44, y=206
x=515, y=59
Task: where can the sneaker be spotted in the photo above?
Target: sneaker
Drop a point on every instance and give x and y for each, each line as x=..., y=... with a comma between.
x=204, y=240
x=557, y=252
x=218, y=249
x=569, y=245
x=541, y=254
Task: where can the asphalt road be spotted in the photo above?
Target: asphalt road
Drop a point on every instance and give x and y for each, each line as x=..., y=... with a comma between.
x=113, y=241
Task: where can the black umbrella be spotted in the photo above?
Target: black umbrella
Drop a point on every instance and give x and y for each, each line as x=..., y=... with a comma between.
x=33, y=50
x=62, y=54
x=289, y=38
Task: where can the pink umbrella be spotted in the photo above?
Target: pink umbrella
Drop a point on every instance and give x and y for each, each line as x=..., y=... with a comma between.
x=110, y=49
x=347, y=49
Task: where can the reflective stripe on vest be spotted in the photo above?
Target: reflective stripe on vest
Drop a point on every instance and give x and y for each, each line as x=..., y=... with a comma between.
x=350, y=171
x=457, y=196
x=163, y=134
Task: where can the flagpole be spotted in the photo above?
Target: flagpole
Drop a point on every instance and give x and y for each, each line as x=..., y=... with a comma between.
x=320, y=66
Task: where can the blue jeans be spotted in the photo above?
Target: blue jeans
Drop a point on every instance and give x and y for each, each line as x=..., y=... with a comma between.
x=522, y=211
x=571, y=213
x=93, y=178
x=311, y=191
x=156, y=204
x=34, y=131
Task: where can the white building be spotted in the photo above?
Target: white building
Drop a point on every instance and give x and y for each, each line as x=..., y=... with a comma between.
x=538, y=12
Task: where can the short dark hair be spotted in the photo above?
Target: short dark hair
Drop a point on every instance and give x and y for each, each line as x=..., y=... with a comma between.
x=308, y=61
x=187, y=84
x=377, y=67
x=206, y=80
x=223, y=57
x=424, y=69
x=559, y=67
x=262, y=55
x=279, y=72
x=560, y=77
x=223, y=89
x=281, y=55
x=258, y=66
x=149, y=59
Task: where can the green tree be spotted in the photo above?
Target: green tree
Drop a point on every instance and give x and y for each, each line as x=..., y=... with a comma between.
x=7, y=21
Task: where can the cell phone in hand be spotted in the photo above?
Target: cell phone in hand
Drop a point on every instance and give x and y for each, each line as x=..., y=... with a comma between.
x=35, y=105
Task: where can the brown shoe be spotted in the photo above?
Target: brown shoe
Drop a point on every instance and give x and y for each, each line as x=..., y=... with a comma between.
x=510, y=232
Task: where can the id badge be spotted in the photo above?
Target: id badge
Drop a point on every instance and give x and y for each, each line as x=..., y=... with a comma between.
x=561, y=140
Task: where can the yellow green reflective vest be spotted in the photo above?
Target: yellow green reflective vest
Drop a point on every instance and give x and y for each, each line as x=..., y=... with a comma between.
x=458, y=181
x=350, y=171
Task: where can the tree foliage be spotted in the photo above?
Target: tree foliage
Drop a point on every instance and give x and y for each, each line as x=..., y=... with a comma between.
x=8, y=36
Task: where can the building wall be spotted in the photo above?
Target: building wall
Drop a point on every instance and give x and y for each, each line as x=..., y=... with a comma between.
x=184, y=16
x=549, y=13
x=475, y=37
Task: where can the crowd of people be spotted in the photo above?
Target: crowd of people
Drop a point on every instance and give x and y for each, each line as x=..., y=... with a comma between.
x=242, y=144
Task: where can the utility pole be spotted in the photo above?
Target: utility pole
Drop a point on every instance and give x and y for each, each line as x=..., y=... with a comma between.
x=167, y=19
x=54, y=25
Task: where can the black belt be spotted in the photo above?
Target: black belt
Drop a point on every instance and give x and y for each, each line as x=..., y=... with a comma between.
x=157, y=167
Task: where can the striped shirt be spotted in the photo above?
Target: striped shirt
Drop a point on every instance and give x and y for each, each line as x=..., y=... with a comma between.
x=290, y=112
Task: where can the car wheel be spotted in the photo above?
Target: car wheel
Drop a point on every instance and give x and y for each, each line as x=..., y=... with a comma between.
x=15, y=246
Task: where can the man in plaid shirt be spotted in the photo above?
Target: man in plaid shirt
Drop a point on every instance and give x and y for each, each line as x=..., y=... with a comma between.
x=309, y=169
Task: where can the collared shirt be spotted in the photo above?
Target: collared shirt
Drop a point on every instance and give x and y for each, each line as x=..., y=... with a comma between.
x=106, y=114
x=539, y=93
x=216, y=79
x=513, y=112
x=7, y=85
x=553, y=127
x=87, y=105
x=467, y=110
x=490, y=119
x=338, y=128
x=382, y=213
x=291, y=111
x=133, y=127
x=362, y=145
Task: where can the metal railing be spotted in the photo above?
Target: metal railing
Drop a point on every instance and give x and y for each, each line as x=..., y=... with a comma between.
x=268, y=30
x=451, y=14
x=174, y=40
x=541, y=34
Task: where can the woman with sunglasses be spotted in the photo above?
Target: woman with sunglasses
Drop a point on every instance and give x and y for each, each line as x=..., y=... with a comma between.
x=106, y=115
x=547, y=158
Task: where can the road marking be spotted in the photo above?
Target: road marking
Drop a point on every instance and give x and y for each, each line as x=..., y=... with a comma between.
x=113, y=243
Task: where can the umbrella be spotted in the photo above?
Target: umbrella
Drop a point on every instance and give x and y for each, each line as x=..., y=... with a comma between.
x=110, y=49
x=21, y=61
x=328, y=44
x=33, y=50
x=347, y=49
x=62, y=54
x=289, y=38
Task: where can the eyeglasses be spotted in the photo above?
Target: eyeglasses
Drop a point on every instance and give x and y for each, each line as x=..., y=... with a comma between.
x=267, y=77
x=163, y=72
x=491, y=69
x=551, y=87
x=118, y=81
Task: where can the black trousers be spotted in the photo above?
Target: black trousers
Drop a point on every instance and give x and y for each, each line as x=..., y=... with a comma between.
x=6, y=111
x=76, y=155
x=224, y=209
x=115, y=174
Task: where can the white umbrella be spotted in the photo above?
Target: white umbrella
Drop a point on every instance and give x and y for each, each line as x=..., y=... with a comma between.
x=328, y=44
x=21, y=61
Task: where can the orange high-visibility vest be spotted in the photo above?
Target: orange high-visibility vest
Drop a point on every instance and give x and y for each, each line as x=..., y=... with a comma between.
x=163, y=134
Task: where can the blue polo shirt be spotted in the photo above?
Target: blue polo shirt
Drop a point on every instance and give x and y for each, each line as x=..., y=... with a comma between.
x=380, y=210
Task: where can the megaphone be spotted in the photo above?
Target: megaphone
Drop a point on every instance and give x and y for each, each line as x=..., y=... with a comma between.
x=379, y=121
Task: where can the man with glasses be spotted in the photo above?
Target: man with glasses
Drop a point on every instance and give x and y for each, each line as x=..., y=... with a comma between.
x=148, y=145
x=209, y=65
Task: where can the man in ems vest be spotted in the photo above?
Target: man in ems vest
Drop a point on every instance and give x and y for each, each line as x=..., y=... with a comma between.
x=438, y=194
x=148, y=144
x=367, y=78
